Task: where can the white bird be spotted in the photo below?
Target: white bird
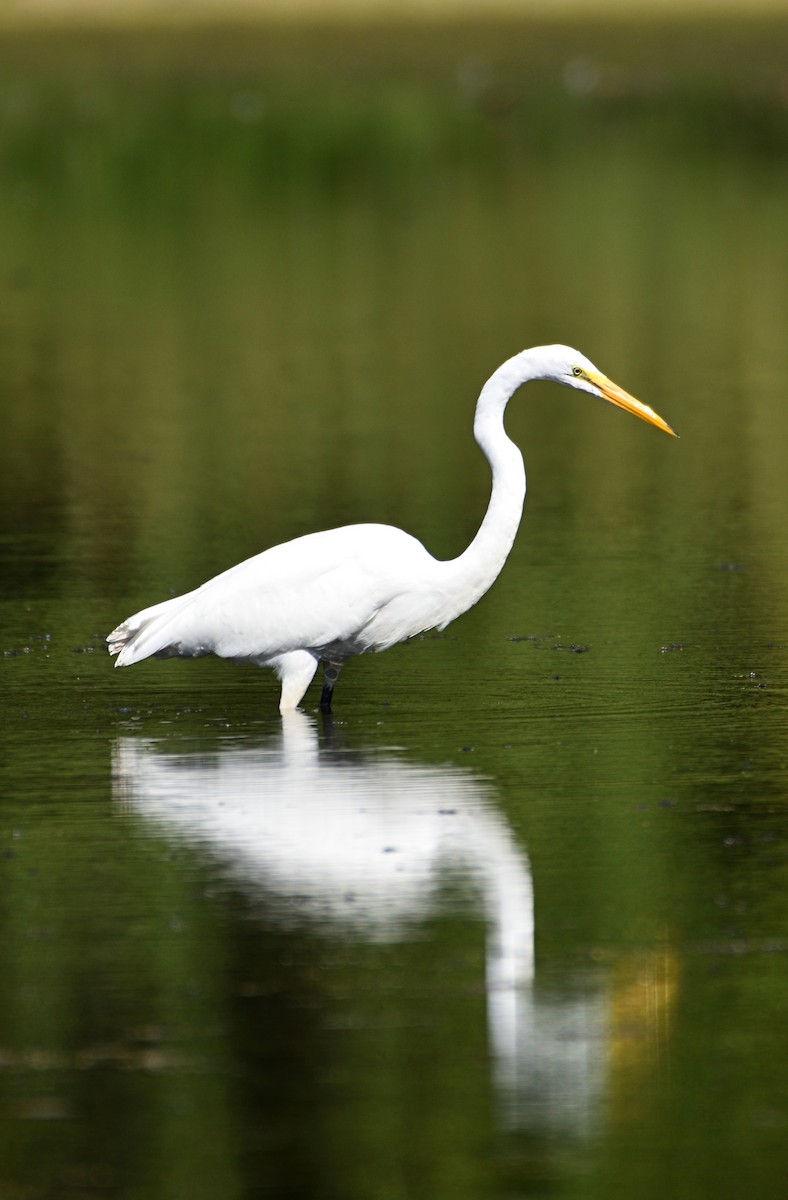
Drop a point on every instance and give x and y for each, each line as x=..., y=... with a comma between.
x=327, y=596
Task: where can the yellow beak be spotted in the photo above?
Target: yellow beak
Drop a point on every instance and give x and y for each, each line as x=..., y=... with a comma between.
x=616, y=395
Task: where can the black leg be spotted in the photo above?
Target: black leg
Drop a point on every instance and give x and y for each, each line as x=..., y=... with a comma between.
x=330, y=676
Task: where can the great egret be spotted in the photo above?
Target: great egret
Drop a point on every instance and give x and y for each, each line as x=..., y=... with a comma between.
x=327, y=596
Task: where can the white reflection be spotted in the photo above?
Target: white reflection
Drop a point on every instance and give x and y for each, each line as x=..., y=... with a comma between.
x=363, y=842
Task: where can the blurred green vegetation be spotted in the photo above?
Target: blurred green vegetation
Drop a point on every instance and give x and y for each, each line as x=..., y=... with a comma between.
x=262, y=102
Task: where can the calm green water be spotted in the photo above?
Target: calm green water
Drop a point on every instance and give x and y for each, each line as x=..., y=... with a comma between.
x=514, y=923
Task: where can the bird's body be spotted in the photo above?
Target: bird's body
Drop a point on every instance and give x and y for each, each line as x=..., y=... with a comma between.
x=336, y=594
x=329, y=596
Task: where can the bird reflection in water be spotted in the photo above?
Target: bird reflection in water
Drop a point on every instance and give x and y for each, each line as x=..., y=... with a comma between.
x=363, y=841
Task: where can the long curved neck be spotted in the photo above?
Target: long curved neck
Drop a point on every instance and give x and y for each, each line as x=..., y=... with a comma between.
x=477, y=568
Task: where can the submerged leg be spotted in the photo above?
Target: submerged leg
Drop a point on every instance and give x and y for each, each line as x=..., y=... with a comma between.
x=330, y=676
x=296, y=671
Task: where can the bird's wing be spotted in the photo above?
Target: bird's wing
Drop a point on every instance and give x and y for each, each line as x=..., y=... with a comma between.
x=320, y=590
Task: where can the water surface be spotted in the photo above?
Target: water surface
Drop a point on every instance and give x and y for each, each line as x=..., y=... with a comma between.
x=514, y=922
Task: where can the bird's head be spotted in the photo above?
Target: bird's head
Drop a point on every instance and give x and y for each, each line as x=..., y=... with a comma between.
x=567, y=366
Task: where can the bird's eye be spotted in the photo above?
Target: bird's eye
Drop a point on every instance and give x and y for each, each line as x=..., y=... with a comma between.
x=578, y=372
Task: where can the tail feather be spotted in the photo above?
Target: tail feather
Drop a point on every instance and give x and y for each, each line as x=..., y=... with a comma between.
x=145, y=634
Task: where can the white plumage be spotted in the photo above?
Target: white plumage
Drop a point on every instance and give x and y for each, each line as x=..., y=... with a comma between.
x=331, y=595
